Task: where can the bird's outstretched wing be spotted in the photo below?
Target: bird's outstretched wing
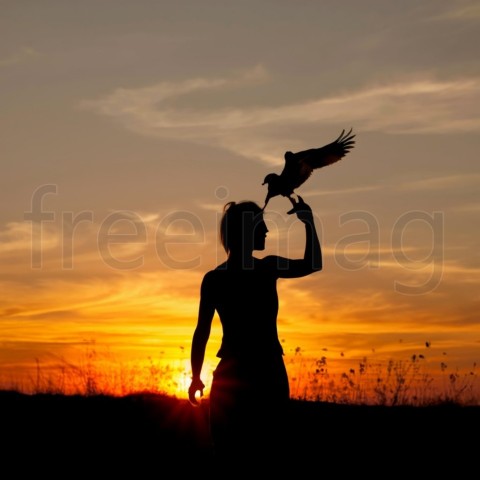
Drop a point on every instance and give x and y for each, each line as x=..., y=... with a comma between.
x=299, y=166
x=331, y=153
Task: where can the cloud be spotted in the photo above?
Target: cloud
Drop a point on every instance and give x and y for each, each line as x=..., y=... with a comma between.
x=17, y=236
x=467, y=12
x=467, y=208
x=412, y=106
x=444, y=182
x=469, y=274
x=345, y=191
x=22, y=55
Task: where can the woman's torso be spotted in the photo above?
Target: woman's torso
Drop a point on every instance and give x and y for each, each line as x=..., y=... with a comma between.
x=247, y=303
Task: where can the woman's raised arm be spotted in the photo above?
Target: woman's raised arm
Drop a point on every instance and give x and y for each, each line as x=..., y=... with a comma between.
x=312, y=257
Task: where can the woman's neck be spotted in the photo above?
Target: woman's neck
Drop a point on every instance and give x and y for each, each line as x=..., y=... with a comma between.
x=241, y=259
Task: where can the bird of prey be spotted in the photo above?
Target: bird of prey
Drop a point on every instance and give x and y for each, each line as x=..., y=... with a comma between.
x=299, y=166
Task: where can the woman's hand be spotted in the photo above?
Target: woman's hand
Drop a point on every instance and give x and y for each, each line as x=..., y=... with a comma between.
x=303, y=211
x=196, y=386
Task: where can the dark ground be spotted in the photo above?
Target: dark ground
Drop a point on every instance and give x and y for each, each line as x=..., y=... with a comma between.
x=99, y=435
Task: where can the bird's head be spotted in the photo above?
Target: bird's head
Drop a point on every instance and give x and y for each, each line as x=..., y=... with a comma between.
x=270, y=179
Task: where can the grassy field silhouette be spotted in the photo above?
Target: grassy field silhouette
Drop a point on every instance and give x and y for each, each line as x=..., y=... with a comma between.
x=375, y=418
x=152, y=432
x=411, y=380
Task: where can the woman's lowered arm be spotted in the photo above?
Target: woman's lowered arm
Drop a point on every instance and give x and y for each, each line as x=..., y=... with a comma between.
x=199, y=343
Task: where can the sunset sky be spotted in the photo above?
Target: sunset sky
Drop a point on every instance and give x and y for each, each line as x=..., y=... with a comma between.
x=127, y=125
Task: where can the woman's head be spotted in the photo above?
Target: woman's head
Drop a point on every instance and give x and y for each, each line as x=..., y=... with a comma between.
x=242, y=227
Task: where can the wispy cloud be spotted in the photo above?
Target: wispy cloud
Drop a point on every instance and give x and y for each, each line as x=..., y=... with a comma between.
x=466, y=273
x=443, y=182
x=19, y=56
x=413, y=106
x=468, y=208
x=464, y=12
x=17, y=236
x=345, y=191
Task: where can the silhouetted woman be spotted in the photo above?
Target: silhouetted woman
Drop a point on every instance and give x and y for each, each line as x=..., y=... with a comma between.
x=250, y=390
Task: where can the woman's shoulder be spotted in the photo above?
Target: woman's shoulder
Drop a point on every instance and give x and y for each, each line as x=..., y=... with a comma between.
x=273, y=262
x=269, y=259
x=215, y=272
x=221, y=267
x=270, y=263
x=210, y=281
